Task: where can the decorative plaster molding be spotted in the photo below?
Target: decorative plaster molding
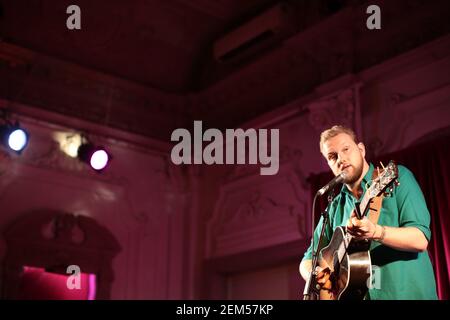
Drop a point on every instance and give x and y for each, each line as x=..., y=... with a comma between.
x=396, y=98
x=287, y=154
x=337, y=109
x=63, y=228
x=258, y=207
x=342, y=107
x=256, y=216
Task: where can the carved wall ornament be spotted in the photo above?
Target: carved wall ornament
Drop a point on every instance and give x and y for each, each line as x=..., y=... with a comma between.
x=396, y=98
x=257, y=208
x=63, y=228
x=254, y=212
x=142, y=217
x=48, y=231
x=242, y=170
x=341, y=108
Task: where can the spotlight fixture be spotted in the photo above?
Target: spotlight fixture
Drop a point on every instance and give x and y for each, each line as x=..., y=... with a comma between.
x=96, y=156
x=12, y=135
x=69, y=142
x=77, y=145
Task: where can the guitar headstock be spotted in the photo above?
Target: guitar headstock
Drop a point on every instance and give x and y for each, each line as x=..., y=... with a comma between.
x=386, y=177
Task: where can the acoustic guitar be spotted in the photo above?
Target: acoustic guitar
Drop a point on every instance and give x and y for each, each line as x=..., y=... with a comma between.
x=349, y=259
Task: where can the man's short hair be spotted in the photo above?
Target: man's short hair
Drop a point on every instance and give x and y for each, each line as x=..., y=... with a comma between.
x=334, y=131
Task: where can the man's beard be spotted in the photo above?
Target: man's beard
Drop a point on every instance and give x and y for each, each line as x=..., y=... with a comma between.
x=351, y=179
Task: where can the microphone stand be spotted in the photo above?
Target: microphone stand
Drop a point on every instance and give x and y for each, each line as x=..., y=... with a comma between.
x=313, y=293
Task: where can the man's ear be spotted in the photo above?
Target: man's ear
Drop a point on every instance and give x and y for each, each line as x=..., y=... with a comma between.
x=362, y=148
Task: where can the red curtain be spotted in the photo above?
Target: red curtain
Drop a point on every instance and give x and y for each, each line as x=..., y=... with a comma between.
x=429, y=162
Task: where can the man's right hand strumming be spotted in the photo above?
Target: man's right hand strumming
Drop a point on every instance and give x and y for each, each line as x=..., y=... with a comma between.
x=323, y=278
x=322, y=274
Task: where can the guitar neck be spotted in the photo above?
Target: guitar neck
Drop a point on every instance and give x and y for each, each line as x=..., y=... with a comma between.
x=362, y=210
x=363, y=205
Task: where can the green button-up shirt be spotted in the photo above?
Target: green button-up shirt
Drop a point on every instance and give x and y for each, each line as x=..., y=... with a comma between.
x=396, y=274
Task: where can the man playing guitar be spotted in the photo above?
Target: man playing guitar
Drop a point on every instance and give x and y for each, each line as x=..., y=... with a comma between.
x=399, y=238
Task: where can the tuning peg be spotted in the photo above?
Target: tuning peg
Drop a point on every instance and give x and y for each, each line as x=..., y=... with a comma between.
x=396, y=182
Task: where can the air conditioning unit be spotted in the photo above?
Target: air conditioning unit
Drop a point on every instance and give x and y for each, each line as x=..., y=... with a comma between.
x=251, y=34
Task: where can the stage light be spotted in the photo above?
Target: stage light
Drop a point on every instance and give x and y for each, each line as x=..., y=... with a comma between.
x=97, y=157
x=78, y=145
x=14, y=137
x=69, y=142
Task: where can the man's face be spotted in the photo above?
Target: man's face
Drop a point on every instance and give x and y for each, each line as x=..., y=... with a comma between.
x=343, y=154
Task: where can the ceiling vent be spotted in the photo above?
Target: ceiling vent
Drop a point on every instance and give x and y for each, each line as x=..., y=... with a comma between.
x=252, y=34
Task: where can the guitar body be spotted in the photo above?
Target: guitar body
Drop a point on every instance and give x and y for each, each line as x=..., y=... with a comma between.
x=351, y=267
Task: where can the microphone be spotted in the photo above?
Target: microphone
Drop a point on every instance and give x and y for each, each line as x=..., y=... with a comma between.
x=338, y=179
